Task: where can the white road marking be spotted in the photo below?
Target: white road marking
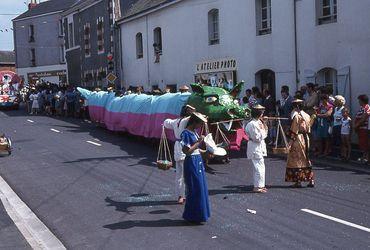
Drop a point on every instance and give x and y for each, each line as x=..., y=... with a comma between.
x=30, y=121
x=37, y=234
x=94, y=143
x=55, y=130
x=366, y=229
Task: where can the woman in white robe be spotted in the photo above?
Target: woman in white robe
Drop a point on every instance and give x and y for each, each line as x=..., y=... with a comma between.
x=178, y=126
x=257, y=133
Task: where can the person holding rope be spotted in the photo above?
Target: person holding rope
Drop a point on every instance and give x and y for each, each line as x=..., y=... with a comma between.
x=257, y=131
x=197, y=208
x=178, y=126
x=299, y=168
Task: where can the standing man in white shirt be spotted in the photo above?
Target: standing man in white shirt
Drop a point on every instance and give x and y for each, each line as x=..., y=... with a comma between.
x=257, y=130
x=178, y=126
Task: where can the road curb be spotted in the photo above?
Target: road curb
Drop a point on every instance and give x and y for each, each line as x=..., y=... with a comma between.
x=37, y=234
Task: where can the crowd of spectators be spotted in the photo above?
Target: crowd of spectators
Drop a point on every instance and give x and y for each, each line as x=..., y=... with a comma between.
x=332, y=126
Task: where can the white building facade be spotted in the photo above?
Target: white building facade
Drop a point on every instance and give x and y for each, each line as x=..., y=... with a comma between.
x=266, y=43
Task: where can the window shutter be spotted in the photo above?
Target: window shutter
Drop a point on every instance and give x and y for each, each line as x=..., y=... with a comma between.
x=343, y=77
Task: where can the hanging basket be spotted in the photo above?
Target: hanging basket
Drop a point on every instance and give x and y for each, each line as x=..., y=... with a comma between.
x=164, y=159
x=280, y=150
x=164, y=165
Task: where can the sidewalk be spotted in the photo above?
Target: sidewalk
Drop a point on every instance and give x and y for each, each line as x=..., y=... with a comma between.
x=10, y=236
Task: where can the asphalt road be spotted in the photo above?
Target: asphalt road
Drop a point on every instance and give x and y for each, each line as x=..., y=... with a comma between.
x=100, y=190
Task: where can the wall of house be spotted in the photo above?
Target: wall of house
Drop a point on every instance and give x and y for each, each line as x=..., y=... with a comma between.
x=47, y=40
x=185, y=43
x=95, y=60
x=343, y=46
x=47, y=45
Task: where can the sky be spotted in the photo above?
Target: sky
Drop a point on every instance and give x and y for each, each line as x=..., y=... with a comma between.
x=9, y=9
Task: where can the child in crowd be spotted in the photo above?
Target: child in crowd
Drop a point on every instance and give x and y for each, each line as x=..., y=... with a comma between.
x=346, y=131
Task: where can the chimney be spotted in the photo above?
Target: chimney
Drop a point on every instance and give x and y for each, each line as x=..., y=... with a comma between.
x=32, y=4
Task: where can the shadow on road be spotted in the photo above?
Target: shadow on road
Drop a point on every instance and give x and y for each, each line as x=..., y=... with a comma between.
x=124, y=206
x=152, y=223
x=240, y=189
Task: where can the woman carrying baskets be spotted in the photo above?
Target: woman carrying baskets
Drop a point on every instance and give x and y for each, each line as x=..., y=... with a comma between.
x=257, y=131
x=298, y=165
x=178, y=126
x=197, y=205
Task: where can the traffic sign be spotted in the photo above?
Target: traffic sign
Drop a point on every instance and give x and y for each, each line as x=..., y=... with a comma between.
x=111, y=77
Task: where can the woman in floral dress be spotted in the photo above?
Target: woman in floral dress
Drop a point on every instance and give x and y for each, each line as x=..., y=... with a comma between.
x=299, y=165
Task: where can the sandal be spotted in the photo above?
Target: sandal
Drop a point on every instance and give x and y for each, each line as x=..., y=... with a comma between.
x=260, y=190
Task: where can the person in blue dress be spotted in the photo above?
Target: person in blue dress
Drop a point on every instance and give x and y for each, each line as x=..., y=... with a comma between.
x=197, y=204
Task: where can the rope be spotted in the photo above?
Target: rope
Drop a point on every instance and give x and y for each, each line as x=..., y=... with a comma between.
x=280, y=130
x=164, y=148
x=219, y=133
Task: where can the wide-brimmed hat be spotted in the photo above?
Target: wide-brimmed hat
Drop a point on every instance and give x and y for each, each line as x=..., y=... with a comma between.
x=296, y=100
x=184, y=88
x=212, y=147
x=258, y=107
x=200, y=116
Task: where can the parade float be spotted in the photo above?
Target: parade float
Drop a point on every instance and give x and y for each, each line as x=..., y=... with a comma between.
x=143, y=115
x=9, y=86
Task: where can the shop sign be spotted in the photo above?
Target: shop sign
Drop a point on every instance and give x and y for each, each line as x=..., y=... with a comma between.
x=219, y=65
x=38, y=75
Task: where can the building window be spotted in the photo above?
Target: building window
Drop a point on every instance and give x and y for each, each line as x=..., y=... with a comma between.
x=139, y=45
x=60, y=26
x=61, y=56
x=327, y=11
x=263, y=17
x=213, y=27
x=100, y=33
x=87, y=35
x=31, y=33
x=70, y=35
x=33, y=57
x=157, y=44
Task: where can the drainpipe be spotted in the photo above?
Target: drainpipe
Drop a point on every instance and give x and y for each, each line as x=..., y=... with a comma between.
x=147, y=50
x=296, y=44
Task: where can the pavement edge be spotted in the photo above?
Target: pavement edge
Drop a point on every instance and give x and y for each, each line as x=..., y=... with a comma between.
x=37, y=234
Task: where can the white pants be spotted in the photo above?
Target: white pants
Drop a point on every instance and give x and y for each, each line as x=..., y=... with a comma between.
x=180, y=184
x=258, y=173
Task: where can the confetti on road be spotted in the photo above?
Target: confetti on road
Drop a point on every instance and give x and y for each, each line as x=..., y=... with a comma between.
x=251, y=211
x=94, y=143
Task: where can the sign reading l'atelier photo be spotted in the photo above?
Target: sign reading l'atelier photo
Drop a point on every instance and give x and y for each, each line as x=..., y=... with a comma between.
x=218, y=65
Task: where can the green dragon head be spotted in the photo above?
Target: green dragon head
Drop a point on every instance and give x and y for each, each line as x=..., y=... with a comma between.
x=217, y=103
